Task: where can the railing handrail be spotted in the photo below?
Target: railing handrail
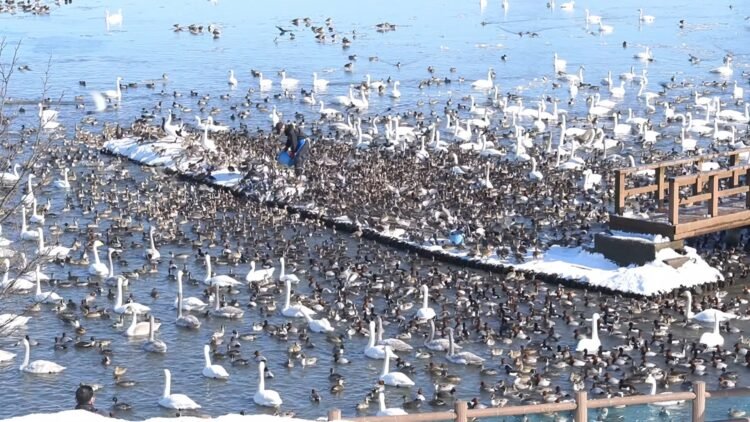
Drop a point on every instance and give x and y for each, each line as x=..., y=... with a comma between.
x=461, y=412
x=690, y=179
x=682, y=161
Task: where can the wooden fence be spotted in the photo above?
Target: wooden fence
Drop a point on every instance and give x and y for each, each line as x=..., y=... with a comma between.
x=580, y=407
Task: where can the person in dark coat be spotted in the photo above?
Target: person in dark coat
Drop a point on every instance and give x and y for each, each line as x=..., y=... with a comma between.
x=85, y=398
x=296, y=144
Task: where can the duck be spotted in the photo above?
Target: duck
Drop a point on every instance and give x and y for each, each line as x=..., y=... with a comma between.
x=175, y=401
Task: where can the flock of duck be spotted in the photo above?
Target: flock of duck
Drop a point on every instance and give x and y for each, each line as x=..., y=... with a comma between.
x=483, y=173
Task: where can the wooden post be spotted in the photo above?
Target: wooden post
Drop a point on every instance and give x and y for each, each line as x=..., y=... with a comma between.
x=713, y=204
x=747, y=183
x=619, y=191
x=461, y=409
x=660, y=185
x=699, y=404
x=334, y=414
x=582, y=408
x=674, y=202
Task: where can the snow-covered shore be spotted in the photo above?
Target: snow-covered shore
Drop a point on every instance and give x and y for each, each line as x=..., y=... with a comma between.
x=575, y=265
x=84, y=416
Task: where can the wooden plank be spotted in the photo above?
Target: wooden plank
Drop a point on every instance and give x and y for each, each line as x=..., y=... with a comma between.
x=636, y=225
x=414, y=417
x=699, y=403
x=713, y=204
x=674, y=202
x=733, y=191
x=641, y=399
x=730, y=392
x=690, y=200
x=641, y=190
x=491, y=412
x=660, y=184
x=582, y=410
x=720, y=223
x=619, y=191
x=692, y=160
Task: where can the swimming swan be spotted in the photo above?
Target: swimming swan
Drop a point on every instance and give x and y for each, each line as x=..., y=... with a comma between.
x=425, y=312
x=259, y=274
x=591, y=344
x=371, y=350
x=297, y=310
x=127, y=308
x=38, y=366
x=707, y=315
x=461, y=358
x=98, y=268
x=153, y=345
x=395, y=379
x=175, y=401
x=263, y=397
x=213, y=371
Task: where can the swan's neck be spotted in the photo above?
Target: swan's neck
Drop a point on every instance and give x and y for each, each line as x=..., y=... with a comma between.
x=716, y=326
x=386, y=363
x=426, y=299
x=450, y=343
x=38, y=283
x=380, y=330
x=167, y=384
x=179, y=304
x=206, y=356
x=288, y=294
x=261, y=378
x=373, y=333
x=432, y=331
x=208, y=268
x=689, y=306
x=595, y=329
x=26, y=355
x=111, y=265
x=282, y=268
x=23, y=219
x=41, y=241
x=653, y=388
x=381, y=399
x=151, y=329
x=96, y=255
x=151, y=232
x=134, y=321
x=118, y=300
x=217, y=296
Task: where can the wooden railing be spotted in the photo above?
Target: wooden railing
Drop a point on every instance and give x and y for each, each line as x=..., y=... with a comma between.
x=713, y=195
x=660, y=169
x=581, y=406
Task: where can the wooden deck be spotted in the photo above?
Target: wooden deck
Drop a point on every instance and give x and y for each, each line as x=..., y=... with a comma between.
x=680, y=200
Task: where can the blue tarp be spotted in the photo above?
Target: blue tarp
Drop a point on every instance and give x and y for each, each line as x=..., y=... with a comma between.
x=285, y=160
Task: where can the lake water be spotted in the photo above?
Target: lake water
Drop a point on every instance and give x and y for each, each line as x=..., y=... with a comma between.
x=443, y=34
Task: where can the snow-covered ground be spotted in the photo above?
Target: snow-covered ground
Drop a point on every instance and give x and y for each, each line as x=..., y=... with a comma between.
x=84, y=416
x=575, y=264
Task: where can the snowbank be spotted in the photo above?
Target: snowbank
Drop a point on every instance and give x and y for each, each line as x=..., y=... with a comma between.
x=84, y=416
x=575, y=264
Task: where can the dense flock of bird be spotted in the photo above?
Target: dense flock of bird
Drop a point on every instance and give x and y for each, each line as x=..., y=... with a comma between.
x=511, y=175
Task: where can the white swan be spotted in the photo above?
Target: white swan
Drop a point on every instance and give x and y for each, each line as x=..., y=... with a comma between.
x=216, y=372
x=438, y=344
x=319, y=84
x=592, y=19
x=651, y=380
x=38, y=366
x=61, y=184
x=6, y=356
x=128, y=308
x=139, y=329
x=395, y=379
x=284, y=276
x=98, y=268
x=259, y=274
x=114, y=94
x=394, y=343
x=461, y=358
x=48, y=118
x=264, y=84
x=28, y=198
x=559, y=64
x=10, y=179
x=53, y=252
x=19, y=284
x=175, y=401
x=297, y=310
x=217, y=280
x=391, y=411
x=371, y=350
x=591, y=344
x=185, y=321
x=153, y=345
x=395, y=92
x=113, y=19
x=44, y=297
x=712, y=338
x=707, y=315
x=645, y=18
x=12, y=322
x=425, y=312
x=232, y=80
x=112, y=279
x=484, y=83
x=226, y=311
x=151, y=253
x=35, y=218
x=27, y=234
x=318, y=325
x=263, y=397
x=535, y=175
x=189, y=303
x=288, y=83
